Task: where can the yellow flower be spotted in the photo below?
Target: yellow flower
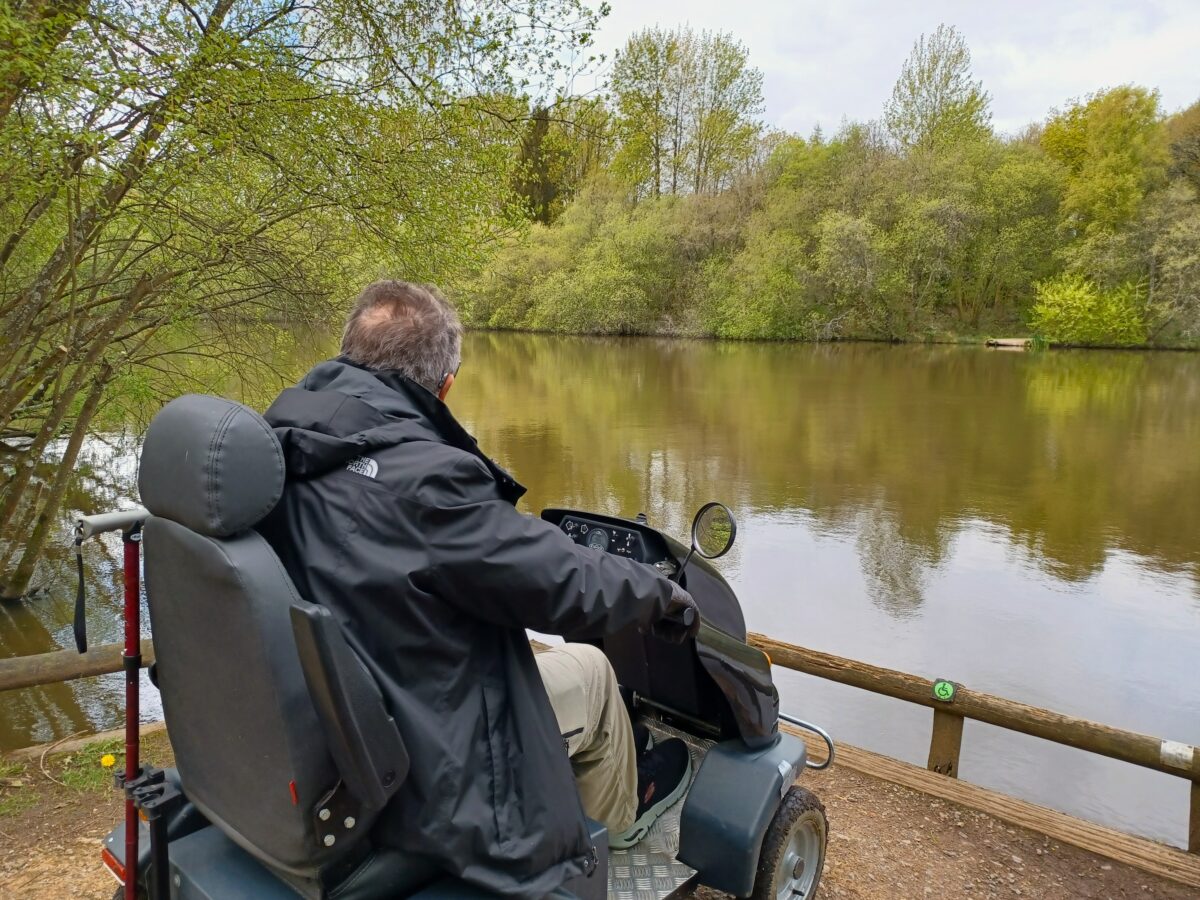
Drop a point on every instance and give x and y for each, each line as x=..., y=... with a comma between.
x=108, y=760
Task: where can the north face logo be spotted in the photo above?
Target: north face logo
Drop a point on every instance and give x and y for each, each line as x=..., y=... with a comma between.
x=363, y=465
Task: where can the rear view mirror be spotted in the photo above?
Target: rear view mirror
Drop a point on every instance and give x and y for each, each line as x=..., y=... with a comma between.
x=713, y=530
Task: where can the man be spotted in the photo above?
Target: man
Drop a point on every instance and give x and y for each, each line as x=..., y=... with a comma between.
x=394, y=520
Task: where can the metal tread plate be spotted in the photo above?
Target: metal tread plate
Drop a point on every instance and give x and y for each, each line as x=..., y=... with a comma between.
x=649, y=869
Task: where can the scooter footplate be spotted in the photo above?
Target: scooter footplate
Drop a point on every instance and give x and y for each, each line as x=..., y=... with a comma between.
x=645, y=873
x=649, y=869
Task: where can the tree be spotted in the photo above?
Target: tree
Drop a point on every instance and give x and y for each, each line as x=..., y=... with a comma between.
x=924, y=224
x=564, y=144
x=642, y=86
x=935, y=101
x=1114, y=149
x=725, y=101
x=1183, y=131
x=173, y=175
x=1172, y=226
x=686, y=109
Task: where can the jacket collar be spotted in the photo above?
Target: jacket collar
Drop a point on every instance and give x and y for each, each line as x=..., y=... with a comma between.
x=443, y=421
x=438, y=415
x=393, y=397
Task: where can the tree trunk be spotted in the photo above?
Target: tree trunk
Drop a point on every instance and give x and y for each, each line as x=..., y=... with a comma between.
x=54, y=421
x=27, y=517
x=19, y=583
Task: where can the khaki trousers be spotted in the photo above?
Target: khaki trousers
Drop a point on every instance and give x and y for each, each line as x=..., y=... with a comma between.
x=595, y=727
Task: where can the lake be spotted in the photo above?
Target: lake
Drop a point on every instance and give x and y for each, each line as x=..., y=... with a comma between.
x=1026, y=524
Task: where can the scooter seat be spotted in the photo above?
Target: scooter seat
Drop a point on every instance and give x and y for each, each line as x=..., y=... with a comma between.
x=207, y=865
x=389, y=874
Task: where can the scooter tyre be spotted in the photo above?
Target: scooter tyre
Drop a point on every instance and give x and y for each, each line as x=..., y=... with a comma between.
x=799, y=833
x=120, y=894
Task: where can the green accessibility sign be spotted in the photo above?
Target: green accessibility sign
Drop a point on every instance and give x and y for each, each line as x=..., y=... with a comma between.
x=944, y=690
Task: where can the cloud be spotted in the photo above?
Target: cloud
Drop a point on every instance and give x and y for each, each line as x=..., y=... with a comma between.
x=825, y=62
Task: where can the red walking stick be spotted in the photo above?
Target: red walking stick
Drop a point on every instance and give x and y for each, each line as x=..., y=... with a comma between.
x=131, y=541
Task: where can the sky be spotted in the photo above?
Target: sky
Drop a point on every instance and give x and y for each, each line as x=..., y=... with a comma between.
x=826, y=61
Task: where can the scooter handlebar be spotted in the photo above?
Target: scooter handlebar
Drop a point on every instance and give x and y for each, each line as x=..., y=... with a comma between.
x=119, y=520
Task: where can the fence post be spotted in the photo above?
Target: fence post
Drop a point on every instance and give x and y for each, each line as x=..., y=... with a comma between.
x=1193, y=843
x=945, y=743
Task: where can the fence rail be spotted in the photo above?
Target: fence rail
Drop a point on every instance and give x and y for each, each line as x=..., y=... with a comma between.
x=65, y=665
x=1171, y=757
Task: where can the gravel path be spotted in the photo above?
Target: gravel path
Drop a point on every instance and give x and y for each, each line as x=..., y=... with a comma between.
x=886, y=843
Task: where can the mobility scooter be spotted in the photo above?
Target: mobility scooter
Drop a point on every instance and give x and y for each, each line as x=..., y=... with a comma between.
x=286, y=753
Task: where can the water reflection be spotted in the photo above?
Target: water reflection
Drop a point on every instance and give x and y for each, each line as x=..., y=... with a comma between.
x=895, y=567
x=1024, y=523
x=1073, y=453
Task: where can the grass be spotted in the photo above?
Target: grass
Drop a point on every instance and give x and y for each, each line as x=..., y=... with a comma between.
x=83, y=770
x=23, y=784
x=15, y=792
x=17, y=802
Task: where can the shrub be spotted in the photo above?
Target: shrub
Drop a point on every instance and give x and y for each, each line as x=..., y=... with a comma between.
x=1071, y=309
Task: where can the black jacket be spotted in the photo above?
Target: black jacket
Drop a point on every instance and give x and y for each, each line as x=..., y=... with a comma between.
x=394, y=519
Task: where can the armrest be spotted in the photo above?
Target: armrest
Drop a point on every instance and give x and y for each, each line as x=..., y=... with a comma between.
x=363, y=739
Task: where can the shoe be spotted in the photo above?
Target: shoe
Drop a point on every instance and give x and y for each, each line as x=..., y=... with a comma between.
x=664, y=773
x=643, y=739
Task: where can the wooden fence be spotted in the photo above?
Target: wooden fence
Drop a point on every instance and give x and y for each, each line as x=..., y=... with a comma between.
x=65, y=665
x=950, y=708
x=945, y=742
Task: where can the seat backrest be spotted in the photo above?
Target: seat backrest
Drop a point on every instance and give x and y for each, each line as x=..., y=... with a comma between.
x=249, y=743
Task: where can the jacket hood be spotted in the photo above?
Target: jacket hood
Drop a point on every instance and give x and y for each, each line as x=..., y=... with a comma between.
x=341, y=411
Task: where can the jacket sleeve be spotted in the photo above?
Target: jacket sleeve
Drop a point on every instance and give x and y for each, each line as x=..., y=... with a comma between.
x=514, y=570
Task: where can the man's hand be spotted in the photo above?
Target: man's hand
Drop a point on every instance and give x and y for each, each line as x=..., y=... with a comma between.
x=682, y=619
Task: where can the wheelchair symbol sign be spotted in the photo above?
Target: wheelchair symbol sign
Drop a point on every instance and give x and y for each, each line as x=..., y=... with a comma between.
x=944, y=690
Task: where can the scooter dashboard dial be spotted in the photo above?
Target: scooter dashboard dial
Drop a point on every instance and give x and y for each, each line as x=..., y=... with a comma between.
x=608, y=538
x=597, y=538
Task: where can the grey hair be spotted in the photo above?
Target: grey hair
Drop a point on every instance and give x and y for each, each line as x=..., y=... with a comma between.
x=410, y=328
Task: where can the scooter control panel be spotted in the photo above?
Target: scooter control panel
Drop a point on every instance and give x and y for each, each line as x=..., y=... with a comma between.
x=603, y=536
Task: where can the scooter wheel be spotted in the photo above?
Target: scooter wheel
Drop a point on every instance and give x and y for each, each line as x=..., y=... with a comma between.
x=793, y=849
x=120, y=894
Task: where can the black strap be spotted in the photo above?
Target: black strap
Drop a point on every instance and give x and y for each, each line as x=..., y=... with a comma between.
x=80, y=616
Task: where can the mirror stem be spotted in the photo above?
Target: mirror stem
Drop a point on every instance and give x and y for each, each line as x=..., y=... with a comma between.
x=678, y=576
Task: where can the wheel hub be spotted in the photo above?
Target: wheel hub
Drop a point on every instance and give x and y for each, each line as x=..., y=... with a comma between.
x=794, y=877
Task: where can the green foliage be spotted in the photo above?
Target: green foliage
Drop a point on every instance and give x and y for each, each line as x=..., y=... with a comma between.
x=922, y=226
x=1114, y=149
x=562, y=147
x=827, y=239
x=202, y=171
x=1183, y=131
x=1171, y=227
x=935, y=102
x=686, y=107
x=1070, y=309
x=607, y=266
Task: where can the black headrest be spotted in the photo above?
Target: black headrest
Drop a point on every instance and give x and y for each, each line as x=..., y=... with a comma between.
x=211, y=465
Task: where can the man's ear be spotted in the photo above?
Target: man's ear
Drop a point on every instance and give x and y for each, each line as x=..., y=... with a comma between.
x=445, y=388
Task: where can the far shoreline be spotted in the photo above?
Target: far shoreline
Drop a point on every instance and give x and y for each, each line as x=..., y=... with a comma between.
x=933, y=341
